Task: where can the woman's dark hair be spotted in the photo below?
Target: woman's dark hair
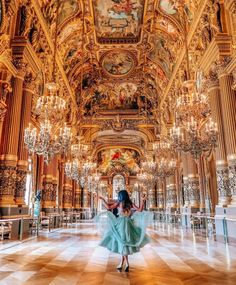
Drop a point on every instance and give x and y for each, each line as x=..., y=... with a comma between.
x=123, y=197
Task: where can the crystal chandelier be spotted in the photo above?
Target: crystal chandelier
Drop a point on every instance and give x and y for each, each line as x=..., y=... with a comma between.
x=51, y=139
x=194, y=138
x=73, y=169
x=166, y=167
x=89, y=165
x=45, y=142
x=165, y=157
x=146, y=179
x=191, y=103
x=149, y=166
x=194, y=132
x=93, y=181
x=51, y=105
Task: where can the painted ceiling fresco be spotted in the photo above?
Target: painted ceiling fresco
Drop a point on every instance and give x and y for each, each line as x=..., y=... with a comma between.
x=118, y=19
x=108, y=159
x=117, y=96
x=119, y=57
x=118, y=63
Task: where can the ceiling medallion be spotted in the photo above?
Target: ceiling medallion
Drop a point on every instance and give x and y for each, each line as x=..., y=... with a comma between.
x=118, y=63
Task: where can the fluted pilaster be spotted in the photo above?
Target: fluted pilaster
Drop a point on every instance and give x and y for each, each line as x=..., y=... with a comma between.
x=22, y=164
x=228, y=107
x=11, y=128
x=222, y=172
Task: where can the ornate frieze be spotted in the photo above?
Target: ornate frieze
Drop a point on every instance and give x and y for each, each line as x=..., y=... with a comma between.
x=232, y=177
x=67, y=194
x=186, y=192
x=221, y=65
x=193, y=191
x=212, y=80
x=171, y=195
x=47, y=192
x=8, y=179
x=20, y=183
x=222, y=174
x=21, y=66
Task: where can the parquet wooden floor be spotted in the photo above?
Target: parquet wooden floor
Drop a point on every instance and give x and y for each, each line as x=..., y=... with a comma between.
x=71, y=256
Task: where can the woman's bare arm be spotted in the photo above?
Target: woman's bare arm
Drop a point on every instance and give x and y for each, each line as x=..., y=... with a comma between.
x=141, y=207
x=109, y=207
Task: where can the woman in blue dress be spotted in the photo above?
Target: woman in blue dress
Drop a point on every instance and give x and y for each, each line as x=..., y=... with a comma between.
x=127, y=233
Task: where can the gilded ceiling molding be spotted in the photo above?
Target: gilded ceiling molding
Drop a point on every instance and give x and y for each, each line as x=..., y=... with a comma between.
x=181, y=56
x=50, y=43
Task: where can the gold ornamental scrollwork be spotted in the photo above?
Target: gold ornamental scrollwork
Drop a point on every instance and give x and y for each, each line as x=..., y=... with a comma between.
x=221, y=65
x=21, y=67
x=2, y=16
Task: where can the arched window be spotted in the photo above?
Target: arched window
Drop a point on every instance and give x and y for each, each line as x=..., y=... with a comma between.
x=118, y=184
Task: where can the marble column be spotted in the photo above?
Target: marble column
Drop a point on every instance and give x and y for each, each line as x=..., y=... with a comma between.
x=171, y=194
x=22, y=164
x=228, y=107
x=11, y=129
x=193, y=183
x=185, y=179
x=222, y=171
x=67, y=193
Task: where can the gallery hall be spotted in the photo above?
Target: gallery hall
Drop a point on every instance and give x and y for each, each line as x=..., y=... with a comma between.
x=117, y=142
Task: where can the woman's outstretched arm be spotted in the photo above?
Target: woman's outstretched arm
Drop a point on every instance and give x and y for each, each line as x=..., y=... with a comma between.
x=141, y=207
x=109, y=207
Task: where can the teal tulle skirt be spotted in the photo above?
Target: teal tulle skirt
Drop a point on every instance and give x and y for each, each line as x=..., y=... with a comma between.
x=124, y=235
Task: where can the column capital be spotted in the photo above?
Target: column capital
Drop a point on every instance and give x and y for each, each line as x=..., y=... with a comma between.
x=212, y=80
x=29, y=82
x=220, y=66
x=21, y=67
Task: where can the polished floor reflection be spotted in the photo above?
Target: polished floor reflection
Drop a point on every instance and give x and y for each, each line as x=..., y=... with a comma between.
x=71, y=256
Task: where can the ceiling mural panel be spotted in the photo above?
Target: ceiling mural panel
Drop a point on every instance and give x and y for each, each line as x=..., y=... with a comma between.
x=118, y=19
x=124, y=96
x=68, y=9
x=118, y=63
x=119, y=158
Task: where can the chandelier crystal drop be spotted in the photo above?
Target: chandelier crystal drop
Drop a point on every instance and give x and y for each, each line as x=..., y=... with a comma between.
x=51, y=105
x=192, y=103
x=166, y=167
x=46, y=142
x=195, y=138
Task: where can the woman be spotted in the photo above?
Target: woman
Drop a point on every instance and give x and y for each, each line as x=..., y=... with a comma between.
x=126, y=234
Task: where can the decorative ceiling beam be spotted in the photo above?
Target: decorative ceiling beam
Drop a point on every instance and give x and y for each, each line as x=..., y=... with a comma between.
x=181, y=56
x=51, y=45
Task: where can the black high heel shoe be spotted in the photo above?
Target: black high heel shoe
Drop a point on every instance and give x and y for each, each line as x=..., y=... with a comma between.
x=119, y=268
x=126, y=268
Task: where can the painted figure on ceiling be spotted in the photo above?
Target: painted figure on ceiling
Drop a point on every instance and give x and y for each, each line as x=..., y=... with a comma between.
x=118, y=18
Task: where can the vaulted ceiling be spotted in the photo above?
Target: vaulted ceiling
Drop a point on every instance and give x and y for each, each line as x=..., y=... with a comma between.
x=119, y=56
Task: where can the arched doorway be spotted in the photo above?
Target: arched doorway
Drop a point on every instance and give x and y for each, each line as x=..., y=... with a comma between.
x=118, y=184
